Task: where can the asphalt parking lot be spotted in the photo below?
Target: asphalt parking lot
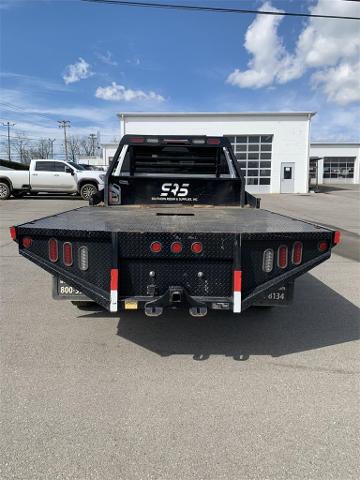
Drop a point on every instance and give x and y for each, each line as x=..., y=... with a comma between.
x=272, y=394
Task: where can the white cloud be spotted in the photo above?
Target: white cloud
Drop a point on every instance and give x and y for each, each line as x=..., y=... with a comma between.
x=115, y=92
x=107, y=58
x=77, y=71
x=341, y=84
x=267, y=50
x=328, y=48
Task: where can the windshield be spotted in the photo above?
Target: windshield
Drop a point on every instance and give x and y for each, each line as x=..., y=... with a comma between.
x=77, y=166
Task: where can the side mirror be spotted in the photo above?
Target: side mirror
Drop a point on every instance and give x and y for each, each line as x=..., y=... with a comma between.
x=69, y=170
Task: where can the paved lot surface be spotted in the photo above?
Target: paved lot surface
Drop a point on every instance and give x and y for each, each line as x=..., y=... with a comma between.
x=270, y=395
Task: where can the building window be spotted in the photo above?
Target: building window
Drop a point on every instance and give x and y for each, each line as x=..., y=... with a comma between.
x=253, y=153
x=339, y=167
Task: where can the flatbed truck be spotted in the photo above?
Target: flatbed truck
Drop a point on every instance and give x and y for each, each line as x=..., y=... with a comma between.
x=174, y=227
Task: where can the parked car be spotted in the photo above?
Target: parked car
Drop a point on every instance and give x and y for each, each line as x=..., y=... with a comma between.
x=51, y=176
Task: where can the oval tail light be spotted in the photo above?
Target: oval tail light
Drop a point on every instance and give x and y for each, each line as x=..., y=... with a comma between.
x=297, y=252
x=53, y=250
x=67, y=254
x=282, y=254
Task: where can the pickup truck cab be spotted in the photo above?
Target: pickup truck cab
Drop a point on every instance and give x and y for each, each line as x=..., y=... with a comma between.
x=52, y=176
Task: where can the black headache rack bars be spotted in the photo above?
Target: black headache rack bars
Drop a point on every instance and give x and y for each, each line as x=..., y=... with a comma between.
x=213, y=189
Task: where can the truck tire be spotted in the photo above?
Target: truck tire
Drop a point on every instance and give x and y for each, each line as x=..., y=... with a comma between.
x=5, y=191
x=88, y=190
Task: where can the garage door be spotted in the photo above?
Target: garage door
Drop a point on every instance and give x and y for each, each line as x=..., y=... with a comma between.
x=339, y=169
x=253, y=153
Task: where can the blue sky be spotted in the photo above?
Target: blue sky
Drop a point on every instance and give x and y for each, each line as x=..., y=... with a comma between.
x=85, y=62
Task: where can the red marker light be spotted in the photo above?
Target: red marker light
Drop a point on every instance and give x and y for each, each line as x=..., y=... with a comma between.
x=53, y=250
x=297, y=253
x=196, y=247
x=213, y=141
x=137, y=139
x=337, y=237
x=283, y=256
x=27, y=242
x=156, y=247
x=176, y=247
x=67, y=254
x=323, y=246
x=13, y=233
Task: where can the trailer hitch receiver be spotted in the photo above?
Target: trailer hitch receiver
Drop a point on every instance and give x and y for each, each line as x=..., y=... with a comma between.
x=173, y=296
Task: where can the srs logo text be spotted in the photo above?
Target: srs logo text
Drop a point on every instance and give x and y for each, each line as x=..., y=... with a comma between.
x=174, y=189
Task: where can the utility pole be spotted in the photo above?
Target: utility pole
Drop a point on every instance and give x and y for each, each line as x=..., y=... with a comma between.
x=92, y=138
x=51, y=143
x=65, y=124
x=8, y=125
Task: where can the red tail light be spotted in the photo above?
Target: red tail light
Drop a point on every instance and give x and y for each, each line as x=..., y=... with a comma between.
x=53, y=250
x=13, y=233
x=323, y=246
x=337, y=237
x=176, y=247
x=297, y=253
x=196, y=247
x=282, y=256
x=27, y=242
x=67, y=254
x=156, y=247
x=213, y=141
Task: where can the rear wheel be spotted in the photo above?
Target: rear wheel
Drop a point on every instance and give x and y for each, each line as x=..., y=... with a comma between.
x=88, y=190
x=5, y=191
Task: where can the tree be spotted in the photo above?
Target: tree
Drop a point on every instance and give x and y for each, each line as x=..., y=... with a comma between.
x=86, y=146
x=73, y=148
x=42, y=149
x=21, y=144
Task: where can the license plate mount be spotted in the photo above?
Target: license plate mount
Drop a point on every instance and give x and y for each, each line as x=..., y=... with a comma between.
x=280, y=296
x=63, y=291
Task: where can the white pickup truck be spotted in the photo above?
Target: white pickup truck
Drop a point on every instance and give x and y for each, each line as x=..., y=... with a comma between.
x=51, y=176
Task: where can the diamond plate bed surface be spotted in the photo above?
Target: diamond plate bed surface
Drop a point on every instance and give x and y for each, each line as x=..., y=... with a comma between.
x=172, y=219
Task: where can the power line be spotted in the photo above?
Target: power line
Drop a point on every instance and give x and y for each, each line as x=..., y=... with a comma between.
x=16, y=109
x=199, y=8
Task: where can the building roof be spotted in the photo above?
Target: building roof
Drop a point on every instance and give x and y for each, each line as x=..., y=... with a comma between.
x=335, y=144
x=212, y=114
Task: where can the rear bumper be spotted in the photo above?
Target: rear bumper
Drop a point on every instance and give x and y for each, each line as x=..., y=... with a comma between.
x=125, y=274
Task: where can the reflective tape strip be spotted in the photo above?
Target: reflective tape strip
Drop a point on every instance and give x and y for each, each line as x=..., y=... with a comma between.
x=237, y=291
x=237, y=302
x=114, y=283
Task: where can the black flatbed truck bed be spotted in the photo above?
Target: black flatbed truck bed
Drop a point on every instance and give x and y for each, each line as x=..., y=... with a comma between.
x=145, y=218
x=154, y=241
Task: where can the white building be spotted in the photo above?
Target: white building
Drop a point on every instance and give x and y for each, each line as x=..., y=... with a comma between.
x=273, y=149
x=336, y=162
